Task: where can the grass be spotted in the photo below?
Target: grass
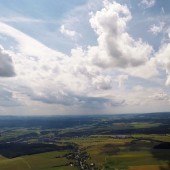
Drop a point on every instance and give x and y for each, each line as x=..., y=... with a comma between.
x=16, y=164
x=46, y=161
x=101, y=148
x=128, y=156
x=14, y=133
x=2, y=158
x=163, y=138
x=139, y=125
x=147, y=167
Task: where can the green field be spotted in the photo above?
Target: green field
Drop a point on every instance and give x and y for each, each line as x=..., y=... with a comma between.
x=48, y=161
x=144, y=125
x=108, y=153
x=126, y=142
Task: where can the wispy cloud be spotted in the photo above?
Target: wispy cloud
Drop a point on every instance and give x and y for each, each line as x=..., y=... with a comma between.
x=20, y=19
x=147, y=3
x=156, y=29
x=26, y=44
x=69, y=33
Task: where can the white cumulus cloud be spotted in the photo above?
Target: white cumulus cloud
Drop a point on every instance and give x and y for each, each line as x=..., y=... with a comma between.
x=116, y=48
x=163, y=58
x=89, y=77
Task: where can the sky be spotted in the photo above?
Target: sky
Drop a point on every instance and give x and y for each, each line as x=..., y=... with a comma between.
x=84, y=57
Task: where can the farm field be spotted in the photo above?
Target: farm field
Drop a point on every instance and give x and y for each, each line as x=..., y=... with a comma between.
x=111, y=153
x=84, y=84
x=124, y=142
x=49, y=161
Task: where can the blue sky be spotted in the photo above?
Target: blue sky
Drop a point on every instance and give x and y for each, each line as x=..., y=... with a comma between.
x=84, y=57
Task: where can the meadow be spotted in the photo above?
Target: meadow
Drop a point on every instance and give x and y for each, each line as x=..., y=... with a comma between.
x=49, y=161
